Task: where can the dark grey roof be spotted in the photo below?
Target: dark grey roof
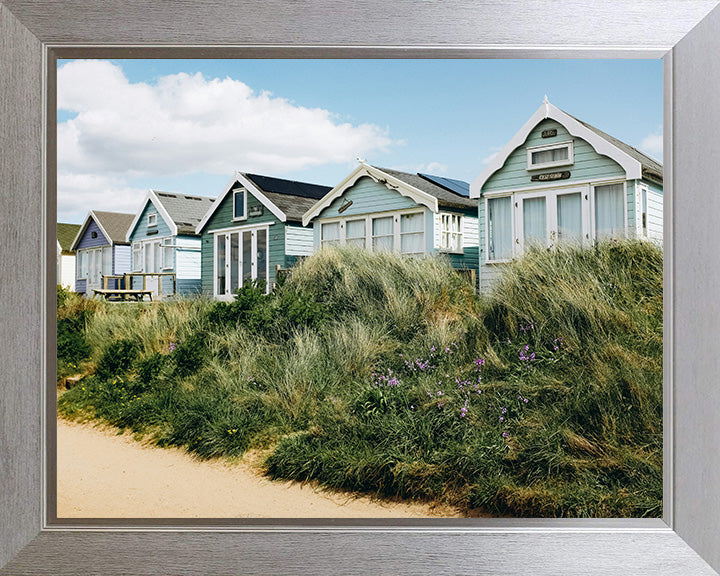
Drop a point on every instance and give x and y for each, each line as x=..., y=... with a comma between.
x=650, y=166
x=185, y=210
x=115, y=224
x=445, y=196
x=292, y=197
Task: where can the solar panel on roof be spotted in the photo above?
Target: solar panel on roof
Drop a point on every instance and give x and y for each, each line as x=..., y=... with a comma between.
x=457, y=186
x=291, y=187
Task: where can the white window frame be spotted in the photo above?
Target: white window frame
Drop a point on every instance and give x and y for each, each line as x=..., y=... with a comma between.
x=335, y=242
x=642, y=224
x=254, y=228
x=152, y=219
x=235, y=192
x=545, y=147
x=513, y=240
x=593, y=186
x=168, y=247
x=448, y=218
x=137, y=256
x=82, y=265
x=395, y=214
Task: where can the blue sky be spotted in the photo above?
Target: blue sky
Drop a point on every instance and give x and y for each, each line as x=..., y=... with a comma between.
x=185, y=125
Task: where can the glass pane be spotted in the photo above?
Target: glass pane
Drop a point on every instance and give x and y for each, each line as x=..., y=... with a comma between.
x=239, y=205
x=609, y=211
x=355, y=233
x=554, y=155
x=234, y=261
x=412, y=236
x=330, y=233
x=148, y=258
x=411, y=223
x=247, y=257
x=107, y=260
x=158, y=256
x=499, y=228
x=262, y=255
x=569, y=215
x=412, y=243
x=220, y=264
x=382, y=232
x=534, y=221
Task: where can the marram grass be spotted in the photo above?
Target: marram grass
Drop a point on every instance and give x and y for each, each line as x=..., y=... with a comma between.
x=391, y=376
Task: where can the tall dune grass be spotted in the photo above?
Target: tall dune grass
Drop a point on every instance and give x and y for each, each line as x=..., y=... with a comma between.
x=391, y=376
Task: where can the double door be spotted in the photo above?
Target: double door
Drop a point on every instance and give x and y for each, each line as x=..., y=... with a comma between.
x=152, y=264
x=99, y=263
x=552, y=217
x=240, y=258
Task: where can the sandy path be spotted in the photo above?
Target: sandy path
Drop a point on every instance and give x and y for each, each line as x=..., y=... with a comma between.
x=105, y=475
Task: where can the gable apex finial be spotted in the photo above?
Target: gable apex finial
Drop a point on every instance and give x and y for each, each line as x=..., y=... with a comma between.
x=547, y=106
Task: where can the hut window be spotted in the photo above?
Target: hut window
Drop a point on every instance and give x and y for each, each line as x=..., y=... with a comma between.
x=137, y=257
x=330, y=233
x=412, y=233
x=644, y=210
x=240, y=204
x=609, y=211
x=499, y=221
x=168, y=254
x=152, y=219
x=549, y=155
x=355, y=233
x=451, y=233
x=382, y=233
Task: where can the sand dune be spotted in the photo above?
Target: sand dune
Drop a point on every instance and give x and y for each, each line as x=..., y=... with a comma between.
x=105, y=475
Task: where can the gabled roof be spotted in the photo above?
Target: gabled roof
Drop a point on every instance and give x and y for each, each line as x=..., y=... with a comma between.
x=286, y=199
x=422, y=188
x=113, y=225
x=181, y=212
x=635, y=163
x=66, y=234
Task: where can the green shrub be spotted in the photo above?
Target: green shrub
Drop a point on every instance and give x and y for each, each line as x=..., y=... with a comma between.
x=188, y=355
x=118, y=358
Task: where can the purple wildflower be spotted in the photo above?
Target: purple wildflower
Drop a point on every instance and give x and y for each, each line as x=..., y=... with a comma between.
x=505, y=434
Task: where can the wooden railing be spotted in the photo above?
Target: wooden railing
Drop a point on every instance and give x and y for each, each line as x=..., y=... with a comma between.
x=127, y=280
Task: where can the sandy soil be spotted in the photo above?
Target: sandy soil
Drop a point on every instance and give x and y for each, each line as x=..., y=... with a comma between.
x=105, y=475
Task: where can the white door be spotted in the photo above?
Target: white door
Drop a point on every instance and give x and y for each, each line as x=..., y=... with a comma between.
x=151, y=265
x=94, y=269
x=240, y=257
x=552, y=217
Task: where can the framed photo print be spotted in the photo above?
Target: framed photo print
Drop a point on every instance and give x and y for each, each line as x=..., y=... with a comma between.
x=255, y=345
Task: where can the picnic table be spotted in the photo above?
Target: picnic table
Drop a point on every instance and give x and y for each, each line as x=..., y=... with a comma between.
x=123, y=295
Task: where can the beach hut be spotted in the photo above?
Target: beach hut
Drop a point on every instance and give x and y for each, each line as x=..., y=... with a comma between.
x=558, y=180
x=66, y=255
x=253, y=230
x=412, y=213
x=101, y=250
x=165, y=246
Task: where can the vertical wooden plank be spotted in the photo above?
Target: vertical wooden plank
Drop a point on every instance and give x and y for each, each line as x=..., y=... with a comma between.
x=21, y=266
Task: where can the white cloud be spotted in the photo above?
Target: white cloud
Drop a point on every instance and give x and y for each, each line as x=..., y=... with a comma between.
x=652, y=144
x=435, y=168
x=84, y=192
x=187, y=124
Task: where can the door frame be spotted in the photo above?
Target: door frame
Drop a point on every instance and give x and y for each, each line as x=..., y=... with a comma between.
x=226, y=232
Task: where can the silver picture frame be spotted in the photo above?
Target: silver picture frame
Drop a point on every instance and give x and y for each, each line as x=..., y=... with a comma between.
x=685, y=33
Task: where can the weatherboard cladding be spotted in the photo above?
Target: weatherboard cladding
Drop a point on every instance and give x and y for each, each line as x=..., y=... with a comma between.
x=87, y=240
x=367, y=197
x=223, y=218
x=587, y=164
x=649, y=164
x=160, y=230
